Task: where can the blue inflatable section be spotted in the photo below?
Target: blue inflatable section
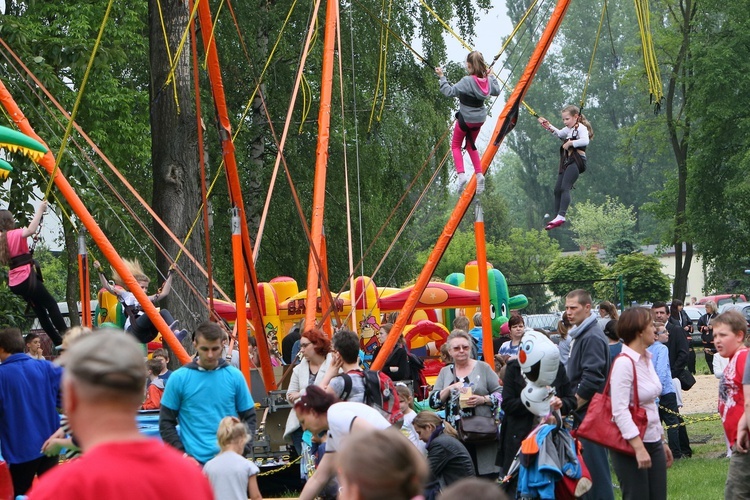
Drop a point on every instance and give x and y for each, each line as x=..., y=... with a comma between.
x=148, y=423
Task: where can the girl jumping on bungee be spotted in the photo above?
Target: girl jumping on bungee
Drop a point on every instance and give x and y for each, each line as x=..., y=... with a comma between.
x=471, y=91
x=572, y=157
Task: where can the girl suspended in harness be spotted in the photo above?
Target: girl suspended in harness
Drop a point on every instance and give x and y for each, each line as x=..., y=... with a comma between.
x=472, y=90
x=572, y=157
x=25, y=275
x=138, y=323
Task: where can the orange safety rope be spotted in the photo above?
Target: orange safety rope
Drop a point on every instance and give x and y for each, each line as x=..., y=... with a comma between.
x=48, y=162
x=325, y=289
x=287, y=124
x=321, y=160
x=346, y=177
x=134, y=216
x=235, y=190
x=202, y=163
x=505, y=124
x=114, y=169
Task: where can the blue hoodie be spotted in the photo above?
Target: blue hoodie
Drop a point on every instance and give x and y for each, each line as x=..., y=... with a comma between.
x=29, y=396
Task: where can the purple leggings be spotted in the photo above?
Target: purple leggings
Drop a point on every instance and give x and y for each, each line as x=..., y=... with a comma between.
x=457, y=142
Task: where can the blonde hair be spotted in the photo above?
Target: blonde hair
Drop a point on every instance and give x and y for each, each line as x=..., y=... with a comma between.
x=575, y=111
x=72, y=334
x=231, y=430
x=425, y=418
x=134, y=267
x=477, y=66
x=380, y=454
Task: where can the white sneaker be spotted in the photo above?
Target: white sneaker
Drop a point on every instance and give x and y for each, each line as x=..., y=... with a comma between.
x=463, y=179
x=480, y=183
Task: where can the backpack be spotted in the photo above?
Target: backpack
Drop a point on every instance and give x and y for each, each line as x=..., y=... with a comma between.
x=419, y=383
x=380, y=393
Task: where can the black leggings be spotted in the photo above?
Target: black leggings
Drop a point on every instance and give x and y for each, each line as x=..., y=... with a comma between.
x=23, y=474
x=44, y=305
x=144, y=330
x=565, y=182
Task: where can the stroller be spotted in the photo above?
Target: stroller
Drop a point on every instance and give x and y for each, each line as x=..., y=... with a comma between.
x=549, y=464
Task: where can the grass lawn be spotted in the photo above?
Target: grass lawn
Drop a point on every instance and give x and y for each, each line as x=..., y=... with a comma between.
x=702, y=476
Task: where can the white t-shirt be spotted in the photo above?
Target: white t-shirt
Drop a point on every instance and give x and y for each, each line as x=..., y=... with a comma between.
x=341, y=417
x=228, y=474
x=407, y=429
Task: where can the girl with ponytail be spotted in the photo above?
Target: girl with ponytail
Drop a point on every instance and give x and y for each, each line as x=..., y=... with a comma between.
x=575, y=136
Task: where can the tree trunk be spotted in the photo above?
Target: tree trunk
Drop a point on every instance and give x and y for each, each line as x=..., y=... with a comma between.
x=174, y=153
x=678, y=125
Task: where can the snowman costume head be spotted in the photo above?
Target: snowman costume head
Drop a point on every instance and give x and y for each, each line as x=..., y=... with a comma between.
x=539, y=359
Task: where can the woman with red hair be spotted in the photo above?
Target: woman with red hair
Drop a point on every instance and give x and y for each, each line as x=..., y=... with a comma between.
x=315, y=348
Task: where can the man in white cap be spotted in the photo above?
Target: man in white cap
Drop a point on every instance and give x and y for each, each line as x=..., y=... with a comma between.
x=103, y=385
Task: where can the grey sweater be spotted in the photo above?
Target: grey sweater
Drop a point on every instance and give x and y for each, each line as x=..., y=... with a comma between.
x=468, y=86
x=588, y=364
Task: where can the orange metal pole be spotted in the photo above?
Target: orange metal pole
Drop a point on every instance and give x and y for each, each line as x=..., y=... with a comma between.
x=484, y=289
x=48, y=162
x=239, y=292
x=321, y=160
x=235, y=190
x=505, y=124
x=83, y=277
x=325, y=298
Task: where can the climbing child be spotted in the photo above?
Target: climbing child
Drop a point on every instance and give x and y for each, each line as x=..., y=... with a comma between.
x=25, y=275
x=472, y=90
x=137, y=322
x=232, y=476
x=572, y=154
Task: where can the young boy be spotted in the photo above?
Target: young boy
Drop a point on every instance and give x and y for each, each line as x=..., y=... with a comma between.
x=730, y=329
x=164, y=357
x=156, y=387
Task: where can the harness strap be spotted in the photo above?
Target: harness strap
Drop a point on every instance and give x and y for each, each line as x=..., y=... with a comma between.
x=465, y=127
x=26, y=259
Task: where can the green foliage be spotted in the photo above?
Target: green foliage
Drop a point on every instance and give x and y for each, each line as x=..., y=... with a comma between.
x=12, y=309
x=621, y=246
x=529, y=253
x=642, y=278
x=600, y=225
x=54, y=271
x=566, y=270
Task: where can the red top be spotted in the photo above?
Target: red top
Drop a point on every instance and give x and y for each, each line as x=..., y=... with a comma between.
x=153, y=397
x=128, y=470
x=731, y=395
x=17, y=245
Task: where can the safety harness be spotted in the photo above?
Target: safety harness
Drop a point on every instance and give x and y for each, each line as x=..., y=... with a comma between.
x=473, y=102
x=566, y=156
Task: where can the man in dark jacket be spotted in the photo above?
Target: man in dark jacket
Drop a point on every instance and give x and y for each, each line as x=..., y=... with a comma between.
x=677, y=345
x=588, y=367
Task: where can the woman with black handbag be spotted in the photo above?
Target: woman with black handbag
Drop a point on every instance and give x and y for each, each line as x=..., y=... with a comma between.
x=469, y=391
x=707, y=334
x=643, y=476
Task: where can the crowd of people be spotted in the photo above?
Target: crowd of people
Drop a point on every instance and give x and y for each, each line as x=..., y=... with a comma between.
x=84, y=405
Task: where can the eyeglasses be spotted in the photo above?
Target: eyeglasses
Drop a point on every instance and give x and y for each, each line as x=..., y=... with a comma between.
x=460, y=348
x=302, y=346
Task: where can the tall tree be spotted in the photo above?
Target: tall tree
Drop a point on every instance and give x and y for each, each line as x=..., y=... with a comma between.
x=174, y=151
x=679, y=90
